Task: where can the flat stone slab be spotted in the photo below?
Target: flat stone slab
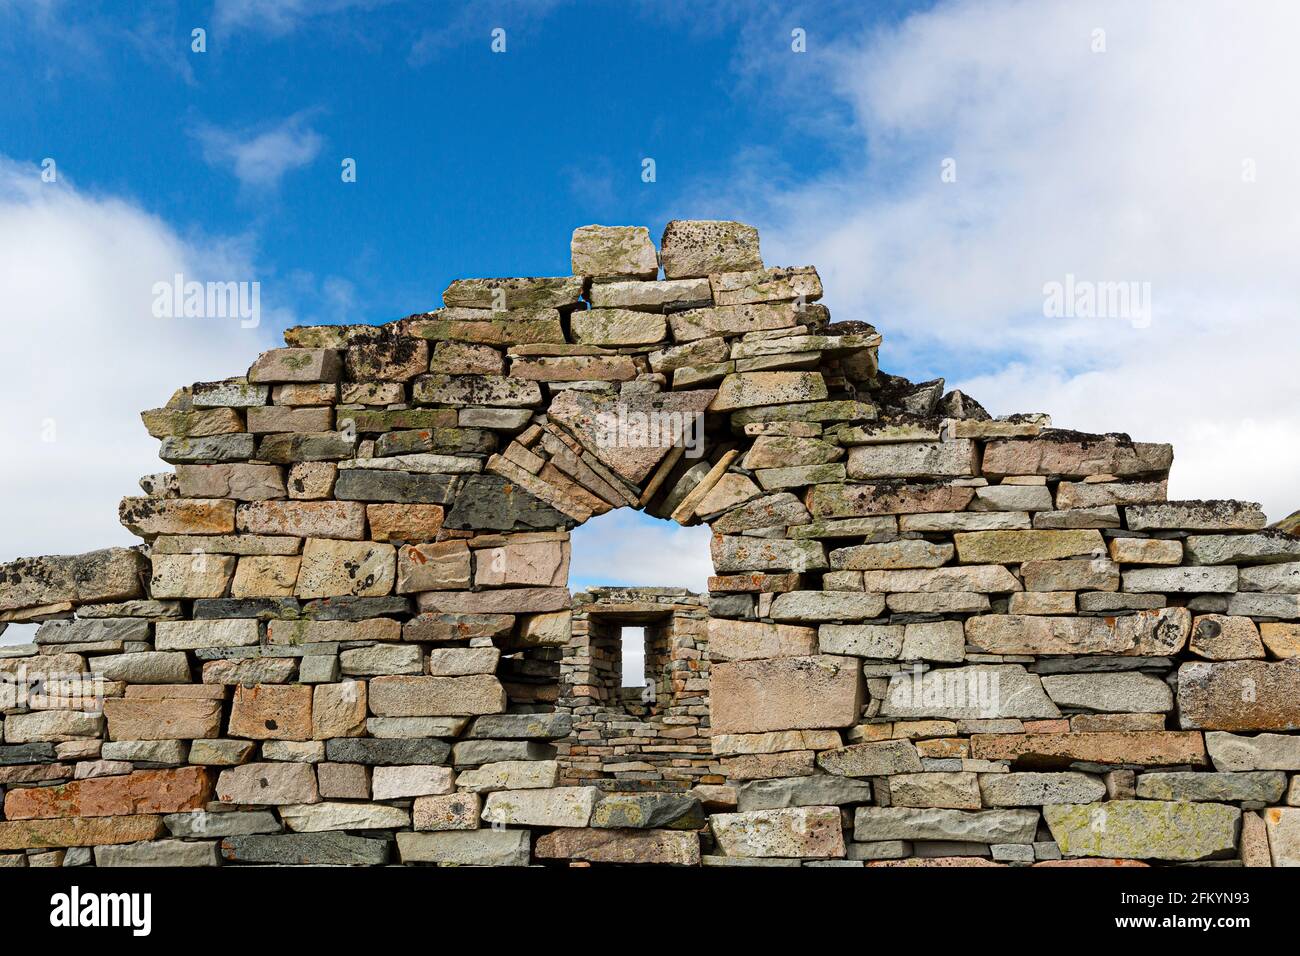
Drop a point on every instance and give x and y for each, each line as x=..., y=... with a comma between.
x=967, y=826
x=1145, y=829
x=800, y=832
x=665, y=847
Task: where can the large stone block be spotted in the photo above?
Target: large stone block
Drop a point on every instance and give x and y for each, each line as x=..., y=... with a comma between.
x=1153, y=748
x=306, y=849
x=466, y=847
x=749, y=389
x=1146, y=633
x=148, y=517
x=1145, y=829
x=79, y=831
x=268, y=783
x=790, y=693
x=791, y=832
x=978, y=692
x=665, y=847
x=297, y=365
x=752, y=640
x=1240, y=695
x=304, y=519
x=165, y=719
x=951, y=459
x=1127, y=692
x=701, y=247
x=1016, y=547
x=144, y=791
x=272, y=712
x=332, y=568
x=981, y=826
x=400, y=696
x=558, y=807
x=1102, y=455
x=736, y=553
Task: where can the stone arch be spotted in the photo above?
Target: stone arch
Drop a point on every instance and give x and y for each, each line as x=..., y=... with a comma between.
x=348, y=622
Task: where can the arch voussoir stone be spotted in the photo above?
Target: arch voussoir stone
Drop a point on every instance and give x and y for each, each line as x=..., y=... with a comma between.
x=348, y=636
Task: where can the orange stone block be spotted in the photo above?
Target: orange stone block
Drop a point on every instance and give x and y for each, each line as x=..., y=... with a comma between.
x=272, y=712
x=145, y=791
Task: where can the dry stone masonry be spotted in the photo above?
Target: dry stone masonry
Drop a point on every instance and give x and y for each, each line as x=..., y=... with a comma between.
x=934, y=637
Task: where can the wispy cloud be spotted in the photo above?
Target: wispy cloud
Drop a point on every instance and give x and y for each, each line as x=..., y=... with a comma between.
x=1152, y=152
x=627, y=547
x=278, y=18
x=262, y=156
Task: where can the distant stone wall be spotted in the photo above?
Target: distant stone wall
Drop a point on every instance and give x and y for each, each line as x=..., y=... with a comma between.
x=933, y=637
x=653, y=738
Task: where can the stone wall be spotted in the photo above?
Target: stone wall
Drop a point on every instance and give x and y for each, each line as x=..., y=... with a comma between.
x=636, y=739
x=935, y=637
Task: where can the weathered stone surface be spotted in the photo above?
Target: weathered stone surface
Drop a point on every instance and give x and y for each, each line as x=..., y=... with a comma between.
x=667, y=847
x=272, y=712
x=947, y=790
x=390, y=358
x=1156, y=632
x=608, y=252
x=268, y=783
x=767, y=285
x=1144, y=829
x=306, y=849
x=386, y=752
x=1264, y=786
x=296, y=365
x=79, y=831
x=891, y=555
x=191, y=576
x=558, y=807
x=982, y=691
x=1181, y=580
x=168, y=719
x=1127, y=692
x=1230, y=752
x=1196, y=516
x=526, y=563
x=147, y=517
x=667, y=296
x=521, y=726
x=243, y=482
x=304, y=519
x=1074, y=459
x=751, y=640
x=503, y=601
x=748, y=389
x=466, y=847
x=162, y=853
x=322, y=817
x=983, y=826
x=733, y=553
x=145, y=791
x=1143, y=748
x=778, y=451
x=436, y=696
x=331, y=568
x=701, y=247
x=461, y=390
x=1239, y=695
x=913, y=460
x=791, y=693
x=1222, y=637
x=856, y=501
x=1015, y=547
x=806, y=832
x=644, y=811
x=819, y=790
x=510, y=775
x=872, y=759
x=514, y=293
x=884, y=641
x=1039, y=789
x=826, y=606
x=1265, y=547
x=444, y=565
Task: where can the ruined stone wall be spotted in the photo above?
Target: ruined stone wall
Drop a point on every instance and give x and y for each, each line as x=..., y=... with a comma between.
x=934, y=636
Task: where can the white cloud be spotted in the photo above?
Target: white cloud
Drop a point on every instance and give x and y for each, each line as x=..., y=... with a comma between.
x=1125, y=165
x=280, y=17
x=260, y=158
x=630, y=548
x=84, y=355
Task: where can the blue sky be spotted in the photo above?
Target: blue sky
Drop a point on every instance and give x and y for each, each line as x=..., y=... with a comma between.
x=467, y=160
x=1153, y=144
